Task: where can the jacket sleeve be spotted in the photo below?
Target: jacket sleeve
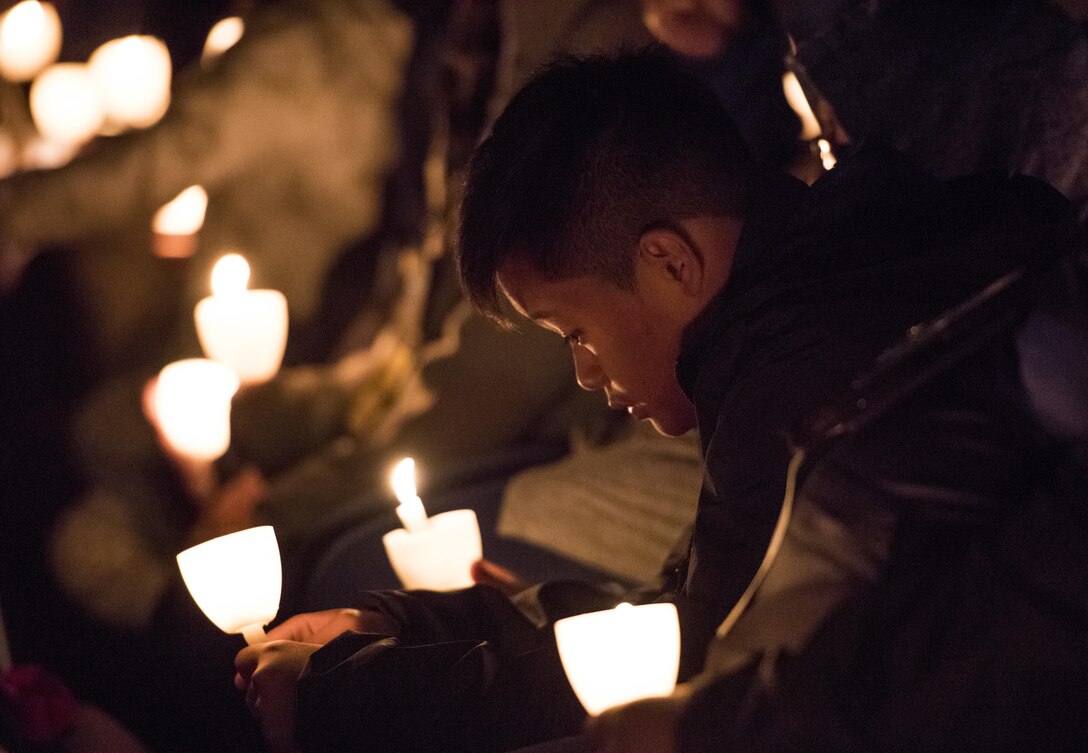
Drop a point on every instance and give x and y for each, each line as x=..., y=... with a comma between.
x=468, y=670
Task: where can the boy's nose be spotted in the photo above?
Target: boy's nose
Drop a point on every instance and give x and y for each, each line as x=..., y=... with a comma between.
x=587, y=370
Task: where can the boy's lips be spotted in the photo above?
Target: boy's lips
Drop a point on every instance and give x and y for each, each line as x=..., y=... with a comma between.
x=638, y=410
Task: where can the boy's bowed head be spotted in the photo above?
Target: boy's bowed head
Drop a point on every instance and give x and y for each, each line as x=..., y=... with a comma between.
x=606, y=205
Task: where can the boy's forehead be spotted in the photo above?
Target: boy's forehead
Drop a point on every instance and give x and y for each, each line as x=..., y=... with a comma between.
x=512, y=278
x=540, y=298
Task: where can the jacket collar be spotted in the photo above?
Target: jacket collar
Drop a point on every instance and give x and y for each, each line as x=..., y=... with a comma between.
x=773, y=201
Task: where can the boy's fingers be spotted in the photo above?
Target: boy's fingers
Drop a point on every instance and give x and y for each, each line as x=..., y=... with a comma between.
x=246, y=662
x=487, y=573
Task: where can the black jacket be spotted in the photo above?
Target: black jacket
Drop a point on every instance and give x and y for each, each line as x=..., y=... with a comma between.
x=931, y=593
x=825, y=280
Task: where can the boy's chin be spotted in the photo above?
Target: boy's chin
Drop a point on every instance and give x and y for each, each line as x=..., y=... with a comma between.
x=671, y=427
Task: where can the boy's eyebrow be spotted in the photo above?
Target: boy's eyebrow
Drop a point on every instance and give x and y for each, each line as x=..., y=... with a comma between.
x=543, y=319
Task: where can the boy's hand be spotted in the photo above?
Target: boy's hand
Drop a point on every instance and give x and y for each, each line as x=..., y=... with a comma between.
x=268, y=675
x=321, y=627
x=647, y=726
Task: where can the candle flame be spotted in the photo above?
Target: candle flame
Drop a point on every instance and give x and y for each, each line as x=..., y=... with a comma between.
x=184, y=214
x=404, y=480
x=827, y=156
x=224, y=35
x=230, y=275
x=798, y=102
x=410, y=510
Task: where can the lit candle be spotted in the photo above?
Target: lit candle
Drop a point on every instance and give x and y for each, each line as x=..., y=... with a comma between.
x=433, y=553
x=244, y=329
x=224, y=35
x=620, y=655
x=827, y=156
x=236, y=580
x=30, y=37
x=176, y=223
x=65, y=105
x=133, y=75
x=192, y=407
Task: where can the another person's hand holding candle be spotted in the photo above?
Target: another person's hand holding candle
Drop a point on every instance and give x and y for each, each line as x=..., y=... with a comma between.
x=267, y=673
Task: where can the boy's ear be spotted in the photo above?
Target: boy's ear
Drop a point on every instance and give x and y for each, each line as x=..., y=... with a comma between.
x=670, y=257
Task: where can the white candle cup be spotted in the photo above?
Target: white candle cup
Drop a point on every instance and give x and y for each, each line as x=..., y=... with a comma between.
x=620, y=655
x=247, y=332
x=192, y=407
x=236, y=580
x=438, y=556
x=244, y=329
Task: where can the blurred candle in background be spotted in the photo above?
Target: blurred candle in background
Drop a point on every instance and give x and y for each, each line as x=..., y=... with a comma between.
x=236, y=580
x=65, y=104
x=133, y=76
x=620, y=655
x=175, y=225
x=827, y=155
x=432, y=553
x=244, y=329
x=30, y=38
x=191, y=401
x=224, y=35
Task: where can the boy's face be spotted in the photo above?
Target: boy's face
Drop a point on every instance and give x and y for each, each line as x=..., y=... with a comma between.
x=621, y=341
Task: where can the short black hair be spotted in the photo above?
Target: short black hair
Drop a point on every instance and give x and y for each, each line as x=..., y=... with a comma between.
x=588, y=155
